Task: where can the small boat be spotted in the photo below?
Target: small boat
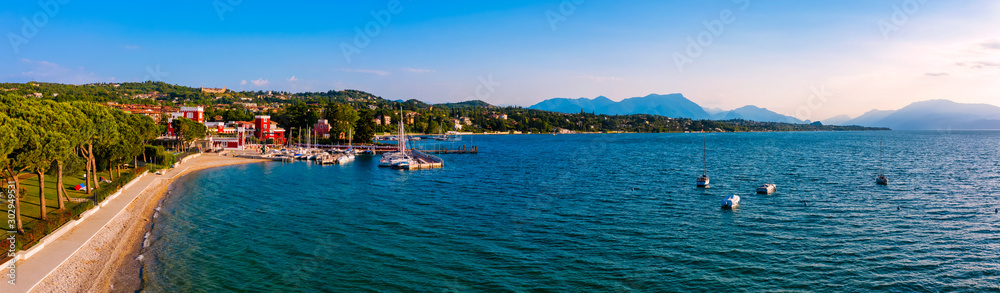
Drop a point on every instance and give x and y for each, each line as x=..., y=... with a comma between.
x=880, y=179
x=731, y=201
x=767, y=188
x=325, y=160
x=703, y=179
x=347, y=155
x=366, y=152
x=345, y=158
x=402, y=164
x=397, y=159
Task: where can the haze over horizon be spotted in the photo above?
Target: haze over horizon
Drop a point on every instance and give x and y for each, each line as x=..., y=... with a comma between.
x=832, y=58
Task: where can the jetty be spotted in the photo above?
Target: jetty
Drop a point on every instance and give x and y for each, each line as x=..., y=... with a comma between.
x=460, y=150
x=424, y=161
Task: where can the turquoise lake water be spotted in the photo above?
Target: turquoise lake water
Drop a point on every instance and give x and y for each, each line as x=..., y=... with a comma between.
x=599, y=213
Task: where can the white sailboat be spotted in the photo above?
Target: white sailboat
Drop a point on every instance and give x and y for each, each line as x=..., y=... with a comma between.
x=398, y=159
x=348, y=155
x=703, y=179
x=880, y=179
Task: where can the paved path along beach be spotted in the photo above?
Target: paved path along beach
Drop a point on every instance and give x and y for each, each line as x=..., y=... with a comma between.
x=81, y=259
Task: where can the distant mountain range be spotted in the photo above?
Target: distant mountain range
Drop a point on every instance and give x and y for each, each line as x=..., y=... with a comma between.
x=925, y=115
x=836, y=120
x=933, y=115
x=672, y=105
x=756, y=114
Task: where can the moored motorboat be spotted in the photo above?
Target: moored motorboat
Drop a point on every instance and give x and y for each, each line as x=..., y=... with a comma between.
x=345, y=158
x=881, y=180
x=731, y=201
x=767, y=188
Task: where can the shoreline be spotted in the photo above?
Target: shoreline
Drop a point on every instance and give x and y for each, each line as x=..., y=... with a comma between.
x=108, y=263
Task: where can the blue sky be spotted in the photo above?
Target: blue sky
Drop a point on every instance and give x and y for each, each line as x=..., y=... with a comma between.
x=808, y=59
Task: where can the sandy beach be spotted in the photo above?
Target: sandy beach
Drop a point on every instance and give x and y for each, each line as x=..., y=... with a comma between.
x=108, y=262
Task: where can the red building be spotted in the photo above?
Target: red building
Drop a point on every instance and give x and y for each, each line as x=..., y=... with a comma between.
x=237, y=142
x=322, y=128
x=266, y=129
x=193, y=113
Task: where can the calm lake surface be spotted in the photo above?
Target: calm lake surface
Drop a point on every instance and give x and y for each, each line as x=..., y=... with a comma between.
x=599, y=213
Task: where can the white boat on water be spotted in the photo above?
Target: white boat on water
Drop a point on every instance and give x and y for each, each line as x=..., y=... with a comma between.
x=325, y=159
x=767, y=188
x=398, y=159
x=703, y=179
x=348, y=155
x=731, y=201
x=386, y=159
x=345, y=158
x=402, y=164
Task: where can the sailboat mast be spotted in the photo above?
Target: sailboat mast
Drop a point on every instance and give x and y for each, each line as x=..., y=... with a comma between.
x=704, y=153
x=399, y=140
x=880, y=157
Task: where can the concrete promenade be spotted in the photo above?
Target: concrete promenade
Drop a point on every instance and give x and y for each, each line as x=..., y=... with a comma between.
x=37, y=263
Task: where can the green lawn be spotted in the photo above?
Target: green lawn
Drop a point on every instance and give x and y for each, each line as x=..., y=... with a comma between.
x=30, y=208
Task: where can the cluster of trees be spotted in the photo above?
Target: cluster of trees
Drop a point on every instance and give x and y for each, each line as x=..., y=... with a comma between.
x=237, y=113
x=187, y=131
x=39, y=136
x=343, y=118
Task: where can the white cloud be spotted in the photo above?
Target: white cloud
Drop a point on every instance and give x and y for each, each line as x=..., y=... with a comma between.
x=368, y=71
x=418, y=70
x=293, y=78
x=260, y=82
x=244, y=82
